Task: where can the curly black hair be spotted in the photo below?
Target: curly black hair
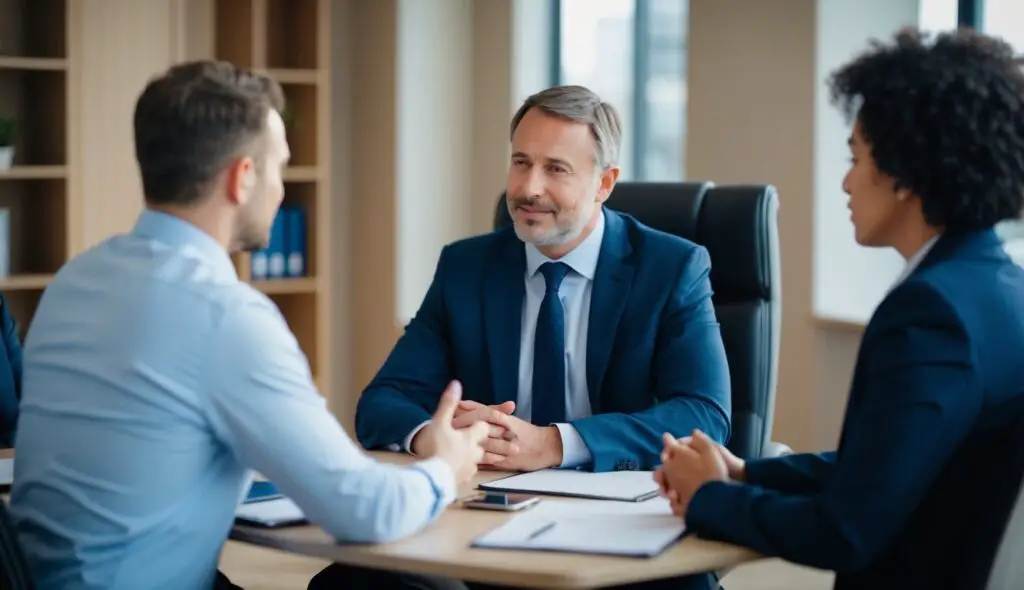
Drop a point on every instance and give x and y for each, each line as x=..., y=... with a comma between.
x=944, y=117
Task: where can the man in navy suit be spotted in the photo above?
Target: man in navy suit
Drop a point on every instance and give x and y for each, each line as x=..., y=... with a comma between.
x=579, y=334
x=918, y=493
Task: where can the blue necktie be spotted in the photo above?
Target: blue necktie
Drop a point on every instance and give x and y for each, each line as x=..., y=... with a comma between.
x=549, y=351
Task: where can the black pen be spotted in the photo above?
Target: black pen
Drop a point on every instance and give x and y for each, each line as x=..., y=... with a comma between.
x=541, y=531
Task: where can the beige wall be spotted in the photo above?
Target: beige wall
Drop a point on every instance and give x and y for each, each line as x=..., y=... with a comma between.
x=751, y=118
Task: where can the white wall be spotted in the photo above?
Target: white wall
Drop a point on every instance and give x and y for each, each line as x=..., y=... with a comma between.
x=849, y=280
x=435, y=138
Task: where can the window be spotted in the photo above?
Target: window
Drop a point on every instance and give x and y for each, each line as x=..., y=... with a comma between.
x=1004, y=18
x=633, y=54
x=1001, y=18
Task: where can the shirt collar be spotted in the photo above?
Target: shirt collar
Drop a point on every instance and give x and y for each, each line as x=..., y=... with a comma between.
x=914, y=261
x=582, y=259
x=178, y=233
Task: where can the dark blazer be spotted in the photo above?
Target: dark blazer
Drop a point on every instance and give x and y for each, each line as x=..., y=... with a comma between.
x=10, y=375
x=929, y=460
x=655, y=359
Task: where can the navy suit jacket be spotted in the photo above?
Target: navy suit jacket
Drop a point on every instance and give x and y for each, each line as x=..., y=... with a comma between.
x=10, y=375
x=655, y=358
x=922, y=475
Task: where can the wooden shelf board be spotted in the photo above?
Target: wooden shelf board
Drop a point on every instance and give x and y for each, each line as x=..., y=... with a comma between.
x=301, y=174
x=33, y=172
x=287, y=286
x=294, y=76
x=26, y=282
x=33, y=63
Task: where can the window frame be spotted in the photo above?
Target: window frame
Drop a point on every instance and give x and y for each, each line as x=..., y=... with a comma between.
x=641, y=76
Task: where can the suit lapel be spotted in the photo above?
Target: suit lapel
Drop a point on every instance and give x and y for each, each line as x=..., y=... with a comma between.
x=504, y=289
x=612, y=281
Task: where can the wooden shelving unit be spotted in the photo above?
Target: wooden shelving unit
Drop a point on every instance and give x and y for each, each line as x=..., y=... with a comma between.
x=34, y=74
x=289, y=40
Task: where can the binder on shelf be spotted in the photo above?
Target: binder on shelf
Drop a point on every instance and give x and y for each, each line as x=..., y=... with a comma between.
x=258, y=265
x=295, y=242
x=5, y=242
x=276, y=248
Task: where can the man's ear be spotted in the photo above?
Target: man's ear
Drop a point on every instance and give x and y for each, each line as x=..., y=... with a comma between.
x=609, y=177
x=241, y=180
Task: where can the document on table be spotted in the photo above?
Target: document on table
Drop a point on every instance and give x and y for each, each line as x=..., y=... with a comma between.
x=625, y=486
x=270, y=513
x=624, y=529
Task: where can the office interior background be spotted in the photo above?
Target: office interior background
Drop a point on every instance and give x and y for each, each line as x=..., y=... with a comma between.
x=400, y=114
x=401, y=134
x=400, y=129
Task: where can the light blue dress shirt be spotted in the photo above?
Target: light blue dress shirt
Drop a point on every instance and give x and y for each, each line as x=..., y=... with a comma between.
x=154, y=382
x=574, y=293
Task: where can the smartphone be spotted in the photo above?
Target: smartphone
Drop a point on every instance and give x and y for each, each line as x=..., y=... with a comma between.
x=261, y=491
x=501, y=501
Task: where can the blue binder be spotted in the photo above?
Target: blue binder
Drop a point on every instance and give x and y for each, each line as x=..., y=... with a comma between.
x=276, y=249
x=295, y=242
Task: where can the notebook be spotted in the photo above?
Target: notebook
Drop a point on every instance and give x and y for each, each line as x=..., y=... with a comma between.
x=270, y=513
x=624, y=486
x=595, y=527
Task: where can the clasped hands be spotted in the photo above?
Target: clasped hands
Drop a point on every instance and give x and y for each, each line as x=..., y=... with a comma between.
x=512, y=444
x=691, y=462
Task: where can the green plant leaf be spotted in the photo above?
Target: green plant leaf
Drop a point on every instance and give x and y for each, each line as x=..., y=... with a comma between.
x=8, y=131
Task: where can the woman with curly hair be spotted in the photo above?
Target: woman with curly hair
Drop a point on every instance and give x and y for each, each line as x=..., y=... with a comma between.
x=931, y=453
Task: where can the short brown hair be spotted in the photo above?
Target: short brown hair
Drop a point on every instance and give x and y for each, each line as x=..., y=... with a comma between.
x=193, y=120
x=579, y=104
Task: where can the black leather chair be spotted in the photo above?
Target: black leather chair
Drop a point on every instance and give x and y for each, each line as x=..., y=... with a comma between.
x=738, y=225
x=14, y=572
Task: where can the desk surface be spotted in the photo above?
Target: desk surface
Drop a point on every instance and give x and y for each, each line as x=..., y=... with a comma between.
x=444, y=549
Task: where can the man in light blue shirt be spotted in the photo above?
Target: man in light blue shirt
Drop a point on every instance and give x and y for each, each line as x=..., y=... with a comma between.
x=155, y=381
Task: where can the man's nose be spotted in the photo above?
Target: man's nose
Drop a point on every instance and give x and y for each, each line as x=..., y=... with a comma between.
x=533, y=185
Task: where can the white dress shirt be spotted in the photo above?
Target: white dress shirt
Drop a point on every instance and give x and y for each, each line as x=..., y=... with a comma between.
x=574, y=292
x=154, y=383
x=914, y=261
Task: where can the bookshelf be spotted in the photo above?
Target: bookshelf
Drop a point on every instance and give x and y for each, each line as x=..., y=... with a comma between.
x=34, y=74
x=289, y=40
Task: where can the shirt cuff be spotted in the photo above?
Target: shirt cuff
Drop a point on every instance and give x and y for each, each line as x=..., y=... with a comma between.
x=574, y=450
x=407, y=443
x=442, y=479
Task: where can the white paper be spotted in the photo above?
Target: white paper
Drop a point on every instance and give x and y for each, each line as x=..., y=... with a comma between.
x=629, y=529
x=6, y=472
x=630, y=486
x=271, y=512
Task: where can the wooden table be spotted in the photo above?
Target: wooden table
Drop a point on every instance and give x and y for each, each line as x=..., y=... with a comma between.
x=443, y=548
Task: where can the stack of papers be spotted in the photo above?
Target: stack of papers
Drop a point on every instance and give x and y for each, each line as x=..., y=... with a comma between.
x=624, y=486
x=642, y=529
x=270, y=513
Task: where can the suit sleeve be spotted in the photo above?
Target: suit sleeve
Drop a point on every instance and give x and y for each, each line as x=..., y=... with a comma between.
x=690, y=373
x=407, y=388
x=803, y=473
x=917, y=398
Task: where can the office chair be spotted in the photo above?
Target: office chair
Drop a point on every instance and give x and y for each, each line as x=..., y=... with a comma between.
x=14, y=572
x=738, y=226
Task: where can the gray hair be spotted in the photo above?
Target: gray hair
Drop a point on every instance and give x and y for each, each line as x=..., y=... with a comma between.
x=579, y=104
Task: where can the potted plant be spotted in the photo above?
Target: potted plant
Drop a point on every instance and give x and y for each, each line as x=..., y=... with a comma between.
x=8, y=133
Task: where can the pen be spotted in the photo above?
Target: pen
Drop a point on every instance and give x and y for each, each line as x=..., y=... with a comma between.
x=541, y=531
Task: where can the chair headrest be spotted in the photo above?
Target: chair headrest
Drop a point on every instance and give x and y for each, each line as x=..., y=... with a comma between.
x=737, y=224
